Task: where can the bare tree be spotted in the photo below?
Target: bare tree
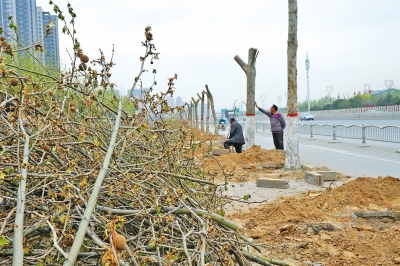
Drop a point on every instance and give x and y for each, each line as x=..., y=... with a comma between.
x=211, y=101
x=250, y=71
x=189, y=114
x=201, y=97
x=196, y=115
x=292, y=150
x=208, y=113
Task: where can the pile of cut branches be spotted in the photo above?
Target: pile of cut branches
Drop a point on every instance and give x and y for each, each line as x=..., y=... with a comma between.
x=90, y=178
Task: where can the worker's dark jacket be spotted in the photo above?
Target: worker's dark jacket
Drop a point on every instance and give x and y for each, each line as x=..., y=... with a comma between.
x=236, y=133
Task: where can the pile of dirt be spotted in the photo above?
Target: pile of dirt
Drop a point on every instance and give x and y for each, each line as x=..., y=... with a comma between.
x=199, y=135
x=233, y=164
x=299, y=174
x=321, y=226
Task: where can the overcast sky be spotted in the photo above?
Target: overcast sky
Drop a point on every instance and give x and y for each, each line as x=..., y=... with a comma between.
x=349, y=43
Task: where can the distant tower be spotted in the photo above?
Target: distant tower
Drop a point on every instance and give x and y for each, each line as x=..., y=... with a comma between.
x=51, y=43
x=308, y=89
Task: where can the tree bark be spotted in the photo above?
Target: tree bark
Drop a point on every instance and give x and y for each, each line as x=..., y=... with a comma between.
x=201, y=110
x=196, y=113
x=250, y=71
x=189, y=114
x=208, y=113
x=209, y=95
x=18, y=242
x=78, y=240
x=292, y=150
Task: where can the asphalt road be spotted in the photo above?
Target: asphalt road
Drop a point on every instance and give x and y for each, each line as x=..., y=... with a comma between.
x=378, y=122
x=380, y=159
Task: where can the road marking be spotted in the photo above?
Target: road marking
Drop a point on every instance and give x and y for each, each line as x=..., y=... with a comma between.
x=341, y=151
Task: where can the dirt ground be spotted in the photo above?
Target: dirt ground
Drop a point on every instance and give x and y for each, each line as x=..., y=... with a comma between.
x=315, y=227
x=321, y=226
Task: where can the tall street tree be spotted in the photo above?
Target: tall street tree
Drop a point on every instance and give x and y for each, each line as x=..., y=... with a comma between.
x=250, y=71
x=292, y=150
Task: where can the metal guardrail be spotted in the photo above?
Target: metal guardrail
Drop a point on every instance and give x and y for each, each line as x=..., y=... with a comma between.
x=363, y=132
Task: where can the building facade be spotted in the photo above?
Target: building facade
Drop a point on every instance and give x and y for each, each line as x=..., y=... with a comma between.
x=26, y=18
x=51, y=45
x=7, y=8
x=179, y=101
x=31, y=21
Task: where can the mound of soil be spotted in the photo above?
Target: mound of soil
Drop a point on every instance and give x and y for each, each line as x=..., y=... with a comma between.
x=201, y=135
x=321, y=226
x=233, y=163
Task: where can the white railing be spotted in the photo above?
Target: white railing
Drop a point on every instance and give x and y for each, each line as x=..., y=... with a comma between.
x=391, y=108
x=363, y=132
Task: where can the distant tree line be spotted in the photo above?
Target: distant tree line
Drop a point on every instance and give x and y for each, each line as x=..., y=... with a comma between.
x=361, y=100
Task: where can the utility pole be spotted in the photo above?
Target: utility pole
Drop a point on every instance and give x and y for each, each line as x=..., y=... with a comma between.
x=308, y=89
x=279, y=99
x=389, y=83
x=367, y=88
x=263, y=100
x=329, y=90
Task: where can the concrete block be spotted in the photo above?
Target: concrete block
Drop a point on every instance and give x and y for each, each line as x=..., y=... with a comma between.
x=314, y=178
x=328, y=175
x=307, y=166
x=219, y=151
x=394, y=214
x=272, y=183
x=276, y=166
x=246, y=166
x=371, y=214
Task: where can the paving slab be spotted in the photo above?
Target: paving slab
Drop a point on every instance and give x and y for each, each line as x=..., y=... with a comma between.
x=220, y=151
x=314, y=178
x=272, y=183
x=328, y=175
x=276, y=166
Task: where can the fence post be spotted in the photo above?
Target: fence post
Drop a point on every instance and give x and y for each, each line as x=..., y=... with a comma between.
x=334, y=140
x=363, y=143
x=311, y=136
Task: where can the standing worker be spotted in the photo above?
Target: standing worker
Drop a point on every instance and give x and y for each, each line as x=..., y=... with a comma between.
x=278, y=124
x=236, y=137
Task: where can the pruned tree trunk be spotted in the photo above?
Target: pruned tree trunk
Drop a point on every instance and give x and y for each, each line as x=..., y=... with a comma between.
x=201, y=110
x=18, y=243
x=189, y=114
x=292, y=150
x=250, y=71
x=210, y=98
x=196, y=113
x=208, y=113
x=91, y=204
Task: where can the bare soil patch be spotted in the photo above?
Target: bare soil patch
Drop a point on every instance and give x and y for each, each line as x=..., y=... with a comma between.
x=321, y=227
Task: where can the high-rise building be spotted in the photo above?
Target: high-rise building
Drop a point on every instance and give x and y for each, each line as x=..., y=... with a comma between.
x=51, y=46
x=178, y=101
x=31, y=22
x=27, y=21
x=40, y=32
x=170, y=101
x=138, y=93
x=7, y=8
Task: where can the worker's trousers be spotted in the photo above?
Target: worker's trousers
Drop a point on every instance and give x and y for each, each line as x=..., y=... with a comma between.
x=278, y=140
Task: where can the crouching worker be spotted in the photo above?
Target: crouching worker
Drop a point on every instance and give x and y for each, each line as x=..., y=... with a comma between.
x=236, y=137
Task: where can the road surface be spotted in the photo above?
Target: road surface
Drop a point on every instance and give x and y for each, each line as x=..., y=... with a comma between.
x=380, y=159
